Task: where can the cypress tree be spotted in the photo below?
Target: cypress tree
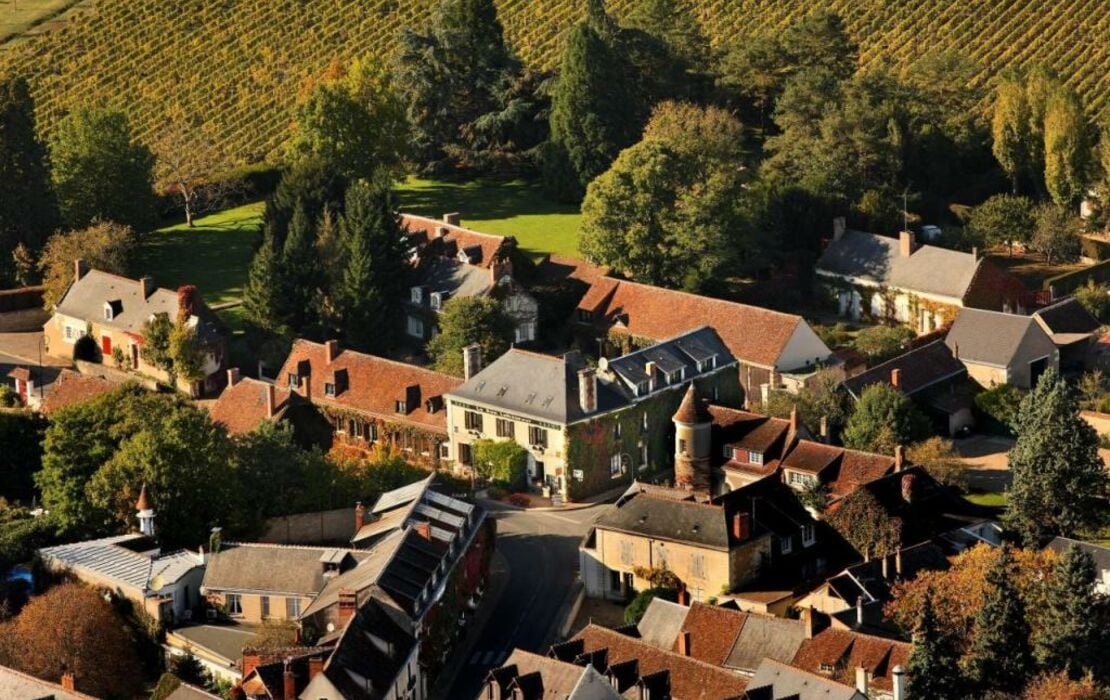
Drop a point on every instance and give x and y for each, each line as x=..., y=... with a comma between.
x=934, y=671
x=1071, y=635
x=301, y=271
x=375, y=278
x=264, y=296
x=28, y=208
x=1059, y=480
x=1001, y=658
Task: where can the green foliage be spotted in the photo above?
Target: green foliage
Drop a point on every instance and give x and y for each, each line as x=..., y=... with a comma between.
x=1012, y=139
x=28, y=209
x=100, y=171
x=1059, y=480
x=188, y=669
x=1004, y=220
x=86, y=349
x=264, y=299
x=103, y=246
x=1056, y=234
x=167, y=684
x=677, y=27
x=883, y=419
x=173, y=347
x=1001, y=404
x=1067, y=148
x=279, y=473
x=933, y=669
x=300, y=276
x=21, y=537
x=465, y=321
x=639, y=605
x=940, y=459
x=1070, y=630
x=865, y=525
x=503, y=462
x=881, y=343
x=21, y=435
x=822, y=398
x=668, y=211
x=1001, y=658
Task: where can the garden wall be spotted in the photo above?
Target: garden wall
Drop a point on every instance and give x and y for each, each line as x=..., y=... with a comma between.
x=320, y=528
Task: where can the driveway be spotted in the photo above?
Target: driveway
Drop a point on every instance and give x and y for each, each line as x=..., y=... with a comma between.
x=987, y=460
x=541, y=550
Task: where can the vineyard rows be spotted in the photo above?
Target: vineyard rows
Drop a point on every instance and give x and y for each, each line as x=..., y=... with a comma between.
x=239, y=65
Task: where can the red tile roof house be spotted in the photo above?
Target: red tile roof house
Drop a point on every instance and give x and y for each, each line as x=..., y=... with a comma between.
x=112, y=309
x=370, y=400
x=775, y=350
x=247, y=403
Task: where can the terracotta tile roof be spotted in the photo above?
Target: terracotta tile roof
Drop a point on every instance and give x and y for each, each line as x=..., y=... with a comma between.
x=691, y=679
x=713, y=631
x=754, y=335
x=71, y=388
x=859, y=468
x=847, y=650
x=425, y=230
x=374, y=384
x=556, y=268
x=812, y=457
x=23, y=374
x=242, y=406
x=692, y=409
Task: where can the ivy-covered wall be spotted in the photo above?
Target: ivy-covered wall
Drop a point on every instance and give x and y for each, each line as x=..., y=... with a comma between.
x=417, y=440
x=591, y=444
x=944, y=313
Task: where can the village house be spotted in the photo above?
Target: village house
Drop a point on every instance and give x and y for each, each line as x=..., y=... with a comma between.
x=452, y=261
x=896, y=280
x=839, y=470
x=369, y=400
x=165, y=586
x=528, y=675
x=587, y=430
x=112, y=310
x=16, y=685
x=773, y=350
x=1001, y=348
x=1073, y=330
x=280, y=673
x=247, y=403
x=746, y=447
x=774, y=680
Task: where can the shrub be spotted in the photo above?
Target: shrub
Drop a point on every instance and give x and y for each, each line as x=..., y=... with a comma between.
x=636, y=609
x=1000, y=405
x=880, y=343
x=1095, y=298
x=86, y=350
x=520, y=500
x=504, y=462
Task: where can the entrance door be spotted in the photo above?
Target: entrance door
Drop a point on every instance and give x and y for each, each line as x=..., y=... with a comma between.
x=106, y=345
x=538, y=474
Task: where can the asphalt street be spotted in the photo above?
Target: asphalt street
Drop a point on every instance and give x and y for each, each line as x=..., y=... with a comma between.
x=541, y=549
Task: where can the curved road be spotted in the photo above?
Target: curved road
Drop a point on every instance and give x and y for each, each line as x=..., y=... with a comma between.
x=542, y=553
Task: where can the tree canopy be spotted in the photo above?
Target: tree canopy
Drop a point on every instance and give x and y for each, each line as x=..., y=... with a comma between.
x=103, y=246
x=465, y=321
x=884, y=418
x=1004, y=219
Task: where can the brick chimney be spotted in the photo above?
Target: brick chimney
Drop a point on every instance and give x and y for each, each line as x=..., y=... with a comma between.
x=684, y=643
x=315, y=665
x=908, y=485
x=80, y=269
x=233, y=376
x=453, y=219
x=251, y=661
x=423, y=529
x=331, y=350
x=741, y=526
x=651, y=372
x=146, y=286
x=348, y=605
x=271, y=400
x=683, y=596
x=69, y=681
x=587, y=390
x=360, y=516
x=899, y=457
x=896, y=378
x=289, y=681
x=472, y=361
x=906, y=243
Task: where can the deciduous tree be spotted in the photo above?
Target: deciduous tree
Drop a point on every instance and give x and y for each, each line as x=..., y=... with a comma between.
x=503, y=462
x=1001, y=658
x=466, y=321
x=863, y=522
x=1011, y=136
x=940, y=459
x=103, y=246
x=1004, y=219
x=187, y=162
x=1067, y=148
x=884, y=418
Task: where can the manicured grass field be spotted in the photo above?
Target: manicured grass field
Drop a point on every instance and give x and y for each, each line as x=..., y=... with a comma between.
x=17, y=16
x=214, y=255
x=518, y=208
x=994, y=500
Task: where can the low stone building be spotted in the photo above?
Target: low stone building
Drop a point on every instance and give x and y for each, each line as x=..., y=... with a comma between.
x=1000, y=348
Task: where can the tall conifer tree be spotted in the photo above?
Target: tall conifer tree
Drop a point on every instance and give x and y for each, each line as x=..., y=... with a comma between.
x=934, y=671
x=1001, y=658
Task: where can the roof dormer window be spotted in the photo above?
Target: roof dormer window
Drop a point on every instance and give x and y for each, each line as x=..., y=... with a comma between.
x=112, y=309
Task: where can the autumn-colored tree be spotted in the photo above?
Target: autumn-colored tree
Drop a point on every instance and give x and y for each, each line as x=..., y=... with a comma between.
x=941, y=460
x=72, y=629
x=1059, y=687
x=863, y=522
x=103, y=246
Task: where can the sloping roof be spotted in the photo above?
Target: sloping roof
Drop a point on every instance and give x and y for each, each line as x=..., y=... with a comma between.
x=662, y=622
x=765, y=637
x=796, y=684
x=690, y=679
x=851, y=650
x=918, y=369
x=72, y=388
x=754, y=335
x=812, y=457
x=713, y=631
x=994, y=288
x=424, y=230
x=877, y=259
x=692, y=409
x=120, y=559
x=699, y=524
x=990, y=337
x=557, y=268
x=269, y=567
x=363, y=575
x=1067, y=321
x=374, y=384
x=455, y=278
x=1100, y=554
x=549, y=678
x=190, y=692
x=858, y=468
x=16, y=685
x=241, y=407
x=370, y=654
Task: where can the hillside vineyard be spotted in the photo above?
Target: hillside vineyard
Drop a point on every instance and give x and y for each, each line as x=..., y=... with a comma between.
x=240, y=64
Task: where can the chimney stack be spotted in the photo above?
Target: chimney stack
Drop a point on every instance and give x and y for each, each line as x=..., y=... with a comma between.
x=896, y=378
x=360, y=516
x=587, y=390
x=898, y=563
x=839, y=227
x=146, y=286
x=863, y=679
x=886, y=568
x=441, y=231
x=348, y=605
x=289, y=682
x=824, y=430
x=306, y=386
x=69, y=681
x=649, y=369
x=331, y=350
x=271, y=400
x=741, y=526
x=315, y=665
x=908, y=487
x=809, y=622
x=424, y=529
x=80, y=269
x=955, y=350
x=683, y=596
x=899, y=683
x=453, y=219
x=684, y=643
x=233, y=376
x=794, y=418
x=472, y=361
x=899, y=456
x=859, y=611
x=906, y=243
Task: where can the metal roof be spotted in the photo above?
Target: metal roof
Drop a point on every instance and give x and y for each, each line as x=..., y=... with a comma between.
x=111, y=558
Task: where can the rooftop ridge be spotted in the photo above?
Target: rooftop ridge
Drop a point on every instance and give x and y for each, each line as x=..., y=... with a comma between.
x=617, y=635
x=463, y=229
x=272, y=545
x=763, y=309
x=132, y=280
x=654, y=497
x=306, y=341
x=672, y=339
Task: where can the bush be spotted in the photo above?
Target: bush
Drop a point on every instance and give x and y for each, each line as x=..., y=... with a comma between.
x=520, y=500
x=503, y=462
x=880, y=343
x=636, y=609
x=1000, y=405
x=1095, y=298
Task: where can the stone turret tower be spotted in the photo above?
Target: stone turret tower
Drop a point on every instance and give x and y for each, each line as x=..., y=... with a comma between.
x=145, y=513
x=692, y=443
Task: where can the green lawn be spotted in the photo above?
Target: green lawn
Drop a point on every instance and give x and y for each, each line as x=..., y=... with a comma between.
x=994, y=500
x=214, y=255
x=17, y=16
x=518, y=208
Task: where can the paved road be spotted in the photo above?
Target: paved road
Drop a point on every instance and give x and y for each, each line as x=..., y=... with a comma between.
x=542, y=552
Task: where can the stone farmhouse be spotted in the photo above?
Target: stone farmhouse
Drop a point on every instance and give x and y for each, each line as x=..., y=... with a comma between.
x=1000, y=348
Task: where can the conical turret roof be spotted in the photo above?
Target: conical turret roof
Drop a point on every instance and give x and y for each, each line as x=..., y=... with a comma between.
x=144, y=500
x=692, y=409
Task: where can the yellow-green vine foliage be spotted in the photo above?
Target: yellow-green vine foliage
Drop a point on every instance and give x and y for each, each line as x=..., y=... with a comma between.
x=239, y=65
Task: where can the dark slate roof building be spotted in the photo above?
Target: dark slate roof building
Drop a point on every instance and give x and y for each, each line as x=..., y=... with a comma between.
x=911, y=372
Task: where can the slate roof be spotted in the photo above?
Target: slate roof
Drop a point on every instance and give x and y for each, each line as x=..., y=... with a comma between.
x=765, y=637
x=690, y=679
x=1067, y=321
x=643, y=514
x=360, y=668
x=546, y=678
x=270, y=568
x=374, y=384
x=16, y=685
x=919, y=369
x=851, y=650
x=990, y=337
x=774, y=680
x=877, y=259
x=72, y=388
x=241, y=407
x=455, y=279
x=661, y=623
x=752, y=334
x=1100, y=554
x=424, y=230
x=120, y=559
x=190, y=692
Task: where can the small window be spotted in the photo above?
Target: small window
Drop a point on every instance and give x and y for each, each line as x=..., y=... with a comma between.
x=292, y=380
x=292, y=608
x=786, y=544
x=755, y=457
x=69, y=333
x=681, y=446
x=716, y=393
x=400, y=407
x=415, y=327
x=329, y=389
x=417, y=295
x=472, y=420
x=626, y=552
x=234, y=604
x=107, y=313
x=265, y=601
x=525, y=332
x=436, y=300
x=505, y=428
x=643, y=422
x=585, y=316
x=641, y=388
x=464, y=454
x=444, y=451
x=615, y=466
x=537, y=436
x=809, y=535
